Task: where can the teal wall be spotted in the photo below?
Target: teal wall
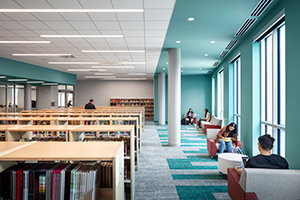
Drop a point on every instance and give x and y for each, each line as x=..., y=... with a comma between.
x=250, y=84
x=195, y=93
x=24, y=70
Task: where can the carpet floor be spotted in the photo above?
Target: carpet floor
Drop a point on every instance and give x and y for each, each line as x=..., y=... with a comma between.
x=186, y=172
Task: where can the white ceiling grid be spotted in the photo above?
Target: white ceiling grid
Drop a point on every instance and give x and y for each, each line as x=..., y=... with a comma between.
x=142, y=31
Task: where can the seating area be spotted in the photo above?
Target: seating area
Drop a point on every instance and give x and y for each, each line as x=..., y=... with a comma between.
x=266, y=184
x=214, y=123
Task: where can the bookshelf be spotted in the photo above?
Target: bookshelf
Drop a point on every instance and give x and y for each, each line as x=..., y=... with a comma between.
x=148, y=103
x=12, y=152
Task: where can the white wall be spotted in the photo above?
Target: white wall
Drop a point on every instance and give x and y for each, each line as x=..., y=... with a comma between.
x=102, y=91
x=46, y=95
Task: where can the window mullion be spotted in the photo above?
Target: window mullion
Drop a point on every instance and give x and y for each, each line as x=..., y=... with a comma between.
x=275, y=78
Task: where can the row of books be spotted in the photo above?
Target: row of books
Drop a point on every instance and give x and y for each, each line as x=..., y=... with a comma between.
x=55, y=181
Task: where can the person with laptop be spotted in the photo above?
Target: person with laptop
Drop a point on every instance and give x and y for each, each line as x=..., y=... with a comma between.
x=266, y=159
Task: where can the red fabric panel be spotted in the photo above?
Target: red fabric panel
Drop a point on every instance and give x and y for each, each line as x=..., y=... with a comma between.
x=211, y=147
x=210, y=126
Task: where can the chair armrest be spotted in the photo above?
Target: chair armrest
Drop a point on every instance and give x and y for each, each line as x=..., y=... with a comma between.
x=210, y=126
x=239, y=143
x=211, y=147
x=234, y=189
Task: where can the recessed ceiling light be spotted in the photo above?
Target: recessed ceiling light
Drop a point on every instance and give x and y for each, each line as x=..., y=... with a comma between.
x=73, y=63
x=181, y=65
x=81, y=36
x=164, y=68
x=113, y=51
x=100, y=76
x=191, y=19
x=178, y=42
x=206, y=54
x=49, y=83
x=2, y=76
x=71, y=10
x=200, y=68
x=111, y=67
x=25, y=42
x=181, y=70
x=41, y=54
x=139, y=74
x=212, y=42
x=167, y=63
x=86, y=70
x=16, y=79
x=105, y=74
x=126, y=79
x=202, y=63
x=35, y=82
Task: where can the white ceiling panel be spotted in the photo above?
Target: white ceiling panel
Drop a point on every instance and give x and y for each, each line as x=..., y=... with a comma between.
x=89, y=32
x=6, y=33
x=34, y=24
x=83, y=25
x=24, y=33
x=64, y=44
x=132, y=25
x=130, y=16
x=115, y=40
x=11, y=25
x=65, y=4
x=135, y=39
x=44, y=32
x=4, y=4
x=30, y=4
x=155, y=33
x=160, y=15
x=107, y=25
x=159, y=4
x=3, y=17
x=48, y=16
x=82, y=45
x=58, y=25
x=141, y=45
x=112, y=32
x=75, y=16
x=157, y=25
x=66, y=32
x=127, y=4
x=101, y=45
x=155, y=39
x=96, y=4
x=116, y=44
x=133, y=33
x=55, y=40
x=21, y=16
x=72, y=40
x=103, y=16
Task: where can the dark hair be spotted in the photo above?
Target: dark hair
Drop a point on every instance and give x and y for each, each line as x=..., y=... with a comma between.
x=206, y=111
x=189, y=110
x=234, y=126
x=91, y=100
x=266, y=142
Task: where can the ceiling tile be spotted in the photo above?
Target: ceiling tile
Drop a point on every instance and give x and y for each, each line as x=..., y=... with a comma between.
x=66, y=32
x=134, y=39
x=82, y=45
x=44, y=32
x=96, y=4
x=112, y=32
x=48, y=16
x=24, y=33
x=76, y=40
x=132, y=25
x=6, y=33
x=88, y=32
x=33, y=24
x=96, y=40
x=130, y=16
x=141, y=45
x=157, y=25
x=75, y=16
x=155, y=33
x=103, y=16
x=29, y=4
x=4, y=17
x=21, y=16
x=82, y=25
x=11, y=25
x=65, y=4
x=107, y=25
x=9, y=4
x=101, y=45
x=158, y=15
x=59, y=25
x=159, y=4
x=132, y=4
x=133, y=33
x=154, y=39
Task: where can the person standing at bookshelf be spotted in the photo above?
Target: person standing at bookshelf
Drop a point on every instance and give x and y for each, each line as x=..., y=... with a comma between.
x=90, y=105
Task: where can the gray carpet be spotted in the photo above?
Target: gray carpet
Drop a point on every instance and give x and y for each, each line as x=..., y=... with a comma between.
x=185, y=172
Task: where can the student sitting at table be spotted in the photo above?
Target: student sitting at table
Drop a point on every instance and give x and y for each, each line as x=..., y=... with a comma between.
x=226, y=136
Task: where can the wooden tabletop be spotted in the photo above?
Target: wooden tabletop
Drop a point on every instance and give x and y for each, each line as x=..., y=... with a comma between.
x=43, y=128
x=5, y=127
x=82, y=128
x=8, y=146
x=8, y=118
x=75, y=151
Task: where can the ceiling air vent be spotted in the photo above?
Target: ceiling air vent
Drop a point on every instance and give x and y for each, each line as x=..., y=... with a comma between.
x=231, y=44
x=216, y=64
x=209, y=72
x=70, y=56
x=260, y=8
x=223, y=54
x=244, y=28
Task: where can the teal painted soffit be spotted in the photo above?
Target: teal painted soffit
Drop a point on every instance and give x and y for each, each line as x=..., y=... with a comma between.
x=16, y=69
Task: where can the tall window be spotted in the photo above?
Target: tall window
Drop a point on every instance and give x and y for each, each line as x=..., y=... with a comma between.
x=221, y=94
x=273, y=86
x=213, y=80
x=65, y=94
x=237, y=92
